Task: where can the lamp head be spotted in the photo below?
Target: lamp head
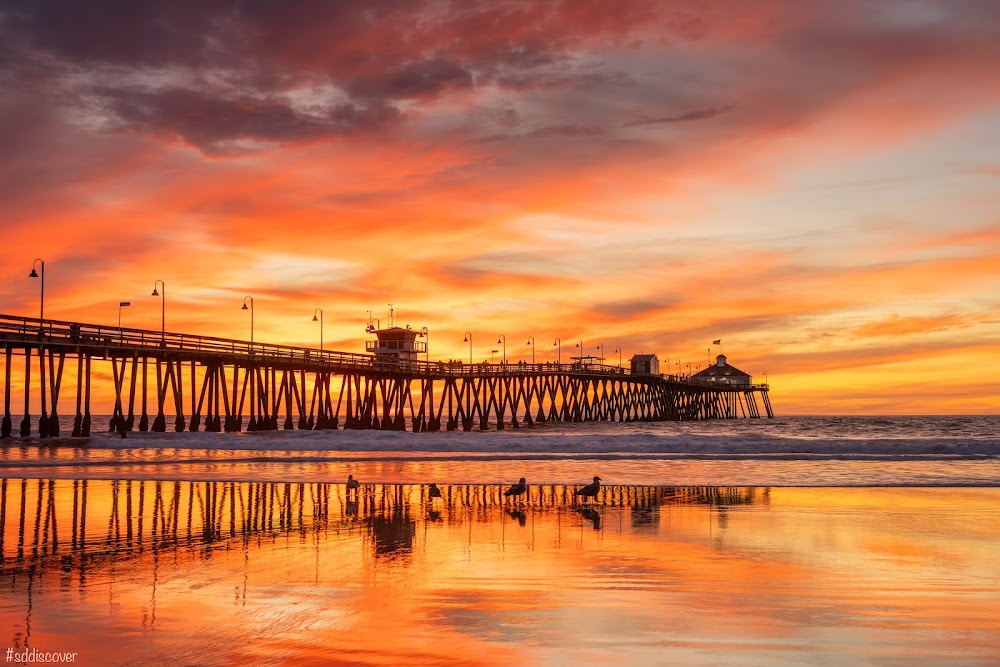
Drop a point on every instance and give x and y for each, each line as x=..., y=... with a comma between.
x=155, y=293
x=498, y=341
x=315, y=319
x=465, y=340
x=33, y=273
x=244, y=307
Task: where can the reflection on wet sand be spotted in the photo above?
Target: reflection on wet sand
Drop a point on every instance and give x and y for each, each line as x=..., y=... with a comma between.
x=133, y=517
x=207, y=572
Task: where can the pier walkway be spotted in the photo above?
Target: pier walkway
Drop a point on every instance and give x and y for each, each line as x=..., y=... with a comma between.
x=234, y=385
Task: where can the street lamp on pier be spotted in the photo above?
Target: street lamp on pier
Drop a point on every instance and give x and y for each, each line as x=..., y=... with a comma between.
x=427, y=344
x=558, y=346
x=600, y=346
x=163, y=309
x=468, y=339
x=618, y=349
x=501, y=336
x=121, y=304
x=251, y=315
x=531, y=342
x=320, y=320
x=34, y=274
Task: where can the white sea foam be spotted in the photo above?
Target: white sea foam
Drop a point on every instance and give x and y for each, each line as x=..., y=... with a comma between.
x=935, y=451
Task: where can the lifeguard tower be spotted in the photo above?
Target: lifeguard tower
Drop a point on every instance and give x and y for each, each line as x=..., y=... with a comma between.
x=395, y=343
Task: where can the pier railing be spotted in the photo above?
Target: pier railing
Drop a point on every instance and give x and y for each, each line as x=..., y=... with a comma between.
x=94, y=336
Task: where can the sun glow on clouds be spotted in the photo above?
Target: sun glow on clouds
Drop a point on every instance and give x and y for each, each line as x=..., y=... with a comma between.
x=815, y=184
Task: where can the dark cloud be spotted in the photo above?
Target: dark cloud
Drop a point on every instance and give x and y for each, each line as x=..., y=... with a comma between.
x=627, y=310
x=687, y=116
x=422, y=79
x=569, y=130
x=215, y=73
x=212, y=122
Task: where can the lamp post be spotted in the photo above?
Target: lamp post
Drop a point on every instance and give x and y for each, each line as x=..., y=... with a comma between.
x=251, y=315
x=120, y=304
x=618, y=349
x=765, y=378
x=579, y=344
x=501, y=336
x=531, y=342
x=163, y=309
x=320, y=320
x=600, y=346
x=33, y=274
x=427, y=344
x=689, y=368
x=468, y=339
x=558, y=346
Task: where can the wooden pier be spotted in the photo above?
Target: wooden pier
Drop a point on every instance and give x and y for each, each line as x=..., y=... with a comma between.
x=232, y=385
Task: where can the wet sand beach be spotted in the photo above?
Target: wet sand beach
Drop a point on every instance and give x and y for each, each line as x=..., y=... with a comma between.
x=161, y=572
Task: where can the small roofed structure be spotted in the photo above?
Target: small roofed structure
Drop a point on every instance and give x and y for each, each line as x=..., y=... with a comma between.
x=395, y=342
x=723, y=372
x=645, y=364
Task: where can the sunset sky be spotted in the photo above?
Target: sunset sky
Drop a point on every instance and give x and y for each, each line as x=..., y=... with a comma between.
x=817, y=184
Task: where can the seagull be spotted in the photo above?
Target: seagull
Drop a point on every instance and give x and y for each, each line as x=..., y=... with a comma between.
x=352, y=484
x=591, y=490
x=518, y=489
x=433, y=491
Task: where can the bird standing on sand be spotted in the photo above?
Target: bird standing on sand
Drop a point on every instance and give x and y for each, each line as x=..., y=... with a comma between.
x=352, y=484
x=591, y=490
x=433, y=491
x=517, y=489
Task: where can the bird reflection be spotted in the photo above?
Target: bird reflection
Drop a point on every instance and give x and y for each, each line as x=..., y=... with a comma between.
x=433, y=515
x=351, y=508
x=592, y=516
x=521, y=517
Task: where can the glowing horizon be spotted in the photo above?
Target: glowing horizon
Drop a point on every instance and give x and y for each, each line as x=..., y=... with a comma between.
x=815, y=184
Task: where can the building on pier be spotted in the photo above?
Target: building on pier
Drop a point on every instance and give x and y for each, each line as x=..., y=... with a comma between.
x=723, y=373
x=645, y=364
x=395, y=342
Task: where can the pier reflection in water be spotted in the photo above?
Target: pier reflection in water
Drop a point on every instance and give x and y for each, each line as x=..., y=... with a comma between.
x=217, y=571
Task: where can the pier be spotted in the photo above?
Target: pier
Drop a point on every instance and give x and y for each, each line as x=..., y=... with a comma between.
x=221, y=384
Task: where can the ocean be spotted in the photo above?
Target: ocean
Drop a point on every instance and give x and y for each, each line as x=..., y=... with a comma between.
x=785, y=451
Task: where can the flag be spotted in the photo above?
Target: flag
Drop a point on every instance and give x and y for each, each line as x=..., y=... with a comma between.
x=125, y=303
x=717, y=342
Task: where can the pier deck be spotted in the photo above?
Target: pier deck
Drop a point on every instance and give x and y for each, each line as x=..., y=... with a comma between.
x=232, y=380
